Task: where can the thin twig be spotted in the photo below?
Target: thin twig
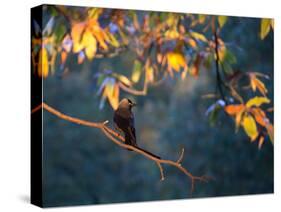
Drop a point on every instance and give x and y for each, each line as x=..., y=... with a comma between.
x=119, y=140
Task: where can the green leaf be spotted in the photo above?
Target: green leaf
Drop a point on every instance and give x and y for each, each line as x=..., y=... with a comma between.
x=222, y=20
x=265, y=27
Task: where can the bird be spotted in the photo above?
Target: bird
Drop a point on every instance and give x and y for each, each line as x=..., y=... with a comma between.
x=124, y=122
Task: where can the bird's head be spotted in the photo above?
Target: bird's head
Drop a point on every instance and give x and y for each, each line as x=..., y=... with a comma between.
x=126, y=104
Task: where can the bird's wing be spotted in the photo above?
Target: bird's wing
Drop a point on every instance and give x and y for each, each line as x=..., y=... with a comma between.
x=132, y=133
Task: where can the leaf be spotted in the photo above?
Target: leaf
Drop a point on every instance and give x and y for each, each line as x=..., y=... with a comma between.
x=124, y=80
x=250, y=126
x=175, y=60
x=198, y=36
x=149, y=73
x=257, y=101
x=76, y=34
x=67, y=43
x=270, y=131
x=113, y=41
x=260, y=116
x=195, y=68
x=257, y=84
x=201, y=18
x=48, y=27
x=234, y=109
x=90, y=44
x=222, y=20
x=43, y=66
x=63, y=57
x=265, y=27
x=136, y=71
x=114, y=98
x=261, y=140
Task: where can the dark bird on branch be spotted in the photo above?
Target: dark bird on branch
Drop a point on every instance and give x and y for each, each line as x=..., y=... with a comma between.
x=124, y=122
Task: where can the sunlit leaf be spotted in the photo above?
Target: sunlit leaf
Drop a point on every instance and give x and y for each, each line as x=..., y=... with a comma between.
x=172, y=34
x=257, y=84
x=76, y=34
x=261, y=140
x=257, y=101
x=260, y=116
x=234, y=109
x=270, y=131
x=114, y=98
x=90, y=44
x=198, y=36
x=124, y=80
x=250, y=126
x=176, y=60
x=63, y=57
x=136, y=71
x=43, y=65
x=149, y=73
x=113, y=41
x=265, y=27
x=222, y=20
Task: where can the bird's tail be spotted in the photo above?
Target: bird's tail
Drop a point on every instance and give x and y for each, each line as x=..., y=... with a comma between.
x=153, y=155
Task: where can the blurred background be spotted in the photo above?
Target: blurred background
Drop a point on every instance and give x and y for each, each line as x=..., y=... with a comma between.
x=82, y=166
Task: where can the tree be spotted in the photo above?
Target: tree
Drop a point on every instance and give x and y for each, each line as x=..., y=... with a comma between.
x=167, y=46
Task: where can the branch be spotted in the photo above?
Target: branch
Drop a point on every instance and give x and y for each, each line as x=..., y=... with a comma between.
x=119, y=140
x=219, y=79
x=134, y=91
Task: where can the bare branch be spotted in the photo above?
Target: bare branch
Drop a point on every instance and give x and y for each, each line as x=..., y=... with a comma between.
x=119, y=140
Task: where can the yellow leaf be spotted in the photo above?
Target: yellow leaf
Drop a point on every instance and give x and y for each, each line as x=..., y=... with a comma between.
x=250, y=126
x=257, y=101
x=198, y=36
x=124, y=80
x=43, y=65
x=113, y=41
x=90, y=44
x=149, y=73
x=76, y=34
x=222, y=20
x=265, y=27
x=136, y=71
x=172, y=34
x=114, y=98
x=234, y=109
x=176, y=60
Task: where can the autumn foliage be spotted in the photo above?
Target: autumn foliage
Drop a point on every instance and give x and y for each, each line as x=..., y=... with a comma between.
x=167, y=46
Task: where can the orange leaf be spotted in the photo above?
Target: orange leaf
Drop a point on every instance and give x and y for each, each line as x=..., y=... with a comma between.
x=257, y=84
x=234, y=109
x=261, y=140
x=63, y=57
x=260, y=116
